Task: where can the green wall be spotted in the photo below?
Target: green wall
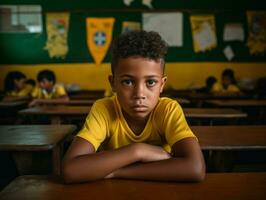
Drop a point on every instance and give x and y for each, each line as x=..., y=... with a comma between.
x=26, y=48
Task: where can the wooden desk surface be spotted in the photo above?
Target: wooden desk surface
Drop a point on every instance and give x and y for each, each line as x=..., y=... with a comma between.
x=231, y=137
x=32, y=137
x=12, y=103
x=213, y=113
x=75, y=102
x=216, y=186
x=84, y=110
x=238, y=103
x=56, y=110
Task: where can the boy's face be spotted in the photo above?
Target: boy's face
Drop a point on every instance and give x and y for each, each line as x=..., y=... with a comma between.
x=138, y=83
x=46, y=84
x=20, y=83
x=226, y=81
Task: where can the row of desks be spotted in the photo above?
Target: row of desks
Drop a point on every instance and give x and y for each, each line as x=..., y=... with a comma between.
x=29, y=138
x=56, y=113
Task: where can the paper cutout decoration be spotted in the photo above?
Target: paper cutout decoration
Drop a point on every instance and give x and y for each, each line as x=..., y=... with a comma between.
x=57, y=25
x=203, y=31
x=233, y=32
x=99, y=36
x=257, y=32
x=228, y=52
x=168, y=25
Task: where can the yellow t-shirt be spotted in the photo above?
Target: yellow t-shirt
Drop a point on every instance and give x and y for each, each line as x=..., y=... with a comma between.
x=217, y=87
x=26, y=91
x=57, y=91
x=105, y=124
x=232, y=88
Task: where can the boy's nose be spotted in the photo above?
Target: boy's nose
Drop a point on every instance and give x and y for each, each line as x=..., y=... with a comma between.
x=139, y=92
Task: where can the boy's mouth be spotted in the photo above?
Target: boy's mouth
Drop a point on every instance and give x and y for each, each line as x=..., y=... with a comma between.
x=139, y=108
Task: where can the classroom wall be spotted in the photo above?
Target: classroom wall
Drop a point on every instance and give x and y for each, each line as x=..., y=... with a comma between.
x=24, y=52
x=181, y=75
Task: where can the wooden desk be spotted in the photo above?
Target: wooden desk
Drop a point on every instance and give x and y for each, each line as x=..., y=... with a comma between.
x=218, y=186
x=256, y=109
x=238, y=103
x=56, y=113
x=222, y=142
x=8, y=111
x=76, y=102
x=231, y=137
x=21, y=139
x=86, y=94
x=213, y=113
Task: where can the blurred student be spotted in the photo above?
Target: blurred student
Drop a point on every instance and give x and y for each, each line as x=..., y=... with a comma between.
x=48, y=91
x=229, y=82
x=15, y=87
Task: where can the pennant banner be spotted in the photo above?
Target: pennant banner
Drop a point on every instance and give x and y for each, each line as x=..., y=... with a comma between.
x=57, y=25
x=130, y=26
x=203, y=31
x=257, y=32
x=99, y=36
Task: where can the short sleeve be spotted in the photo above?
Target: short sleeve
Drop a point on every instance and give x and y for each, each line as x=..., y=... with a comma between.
x=174, y=124
x=35, y=92
x=60, y=91
x=95, y=129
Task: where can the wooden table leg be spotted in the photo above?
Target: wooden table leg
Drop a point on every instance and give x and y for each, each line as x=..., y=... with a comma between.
x=57, y=160
x=23, y=160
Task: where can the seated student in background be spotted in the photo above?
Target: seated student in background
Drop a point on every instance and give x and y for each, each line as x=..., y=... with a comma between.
x=143, y=136
x=48, y=91
x=229, y=81
x=15, y=87
x=213, y=85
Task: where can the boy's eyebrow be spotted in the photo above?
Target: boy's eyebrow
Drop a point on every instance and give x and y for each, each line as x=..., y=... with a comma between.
x=130, y=76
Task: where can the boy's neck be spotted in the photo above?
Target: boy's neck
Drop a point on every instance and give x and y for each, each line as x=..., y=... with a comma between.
x=136, y=125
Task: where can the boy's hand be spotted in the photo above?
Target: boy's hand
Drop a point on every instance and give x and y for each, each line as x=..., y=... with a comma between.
x=150, y=153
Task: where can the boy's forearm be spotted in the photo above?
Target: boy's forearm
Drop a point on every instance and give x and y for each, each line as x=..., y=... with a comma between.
x=173, y=169
x=98, y=165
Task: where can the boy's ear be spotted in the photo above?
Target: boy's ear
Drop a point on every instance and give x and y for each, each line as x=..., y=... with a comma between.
x=111, y=81
x=164, y=79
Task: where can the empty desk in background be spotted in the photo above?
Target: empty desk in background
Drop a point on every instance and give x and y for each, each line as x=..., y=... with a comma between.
x=75, y=102
x=236, y=103
x=23, y=139
x=256, y=109
x=9, y=110
x=211, y=114
x=86, y=94
x=56, y=113
x=222, y=141
x=231, y=137
x=218, y=186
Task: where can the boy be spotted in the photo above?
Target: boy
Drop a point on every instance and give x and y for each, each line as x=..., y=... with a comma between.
x=229, y=82
x=48, y=91
x=145, y=136
x=16, y=87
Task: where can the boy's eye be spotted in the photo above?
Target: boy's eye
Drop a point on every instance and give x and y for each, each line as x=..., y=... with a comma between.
x=151, y=82
x=127, y=82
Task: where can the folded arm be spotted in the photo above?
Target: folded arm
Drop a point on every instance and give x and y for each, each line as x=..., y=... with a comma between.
x=187, y=164
x=136, y=161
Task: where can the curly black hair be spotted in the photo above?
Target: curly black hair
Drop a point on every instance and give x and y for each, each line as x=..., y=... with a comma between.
x=9, y=82
x=146, y=44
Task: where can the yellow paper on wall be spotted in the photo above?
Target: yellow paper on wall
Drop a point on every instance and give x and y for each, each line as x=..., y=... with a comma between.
x=57, y=25
x=99, y=36
x=130, y=26
x=203, y=32
x=257, y=32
